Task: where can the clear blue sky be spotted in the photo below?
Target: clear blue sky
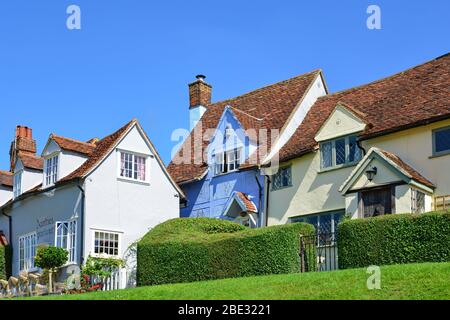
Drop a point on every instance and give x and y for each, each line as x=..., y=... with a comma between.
x=135, y=58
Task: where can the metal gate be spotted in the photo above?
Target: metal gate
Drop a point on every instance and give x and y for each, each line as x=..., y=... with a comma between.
x=319, y=252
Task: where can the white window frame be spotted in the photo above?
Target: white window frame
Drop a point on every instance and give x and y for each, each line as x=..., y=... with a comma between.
x=146, y=157
x=50, y=178
x=443, y=152
x=414, y=202
x=222, y=164
x=71, y=241
x=347, y=161
x=18, y=183
x=119, y=245
x=29, y=253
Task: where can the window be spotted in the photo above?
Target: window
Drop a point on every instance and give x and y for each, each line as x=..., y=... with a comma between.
x=282, y=179
x=339, y=152
x=27, y=251
x=51, y=170
x=66, y=237
x=417, y=201
x=227, y=162
x=106, y=243
x=17, y=184
x=324, y=223
x=133, y=167
x=441, y=141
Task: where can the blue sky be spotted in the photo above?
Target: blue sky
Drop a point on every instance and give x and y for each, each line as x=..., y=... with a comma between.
x=135, y=58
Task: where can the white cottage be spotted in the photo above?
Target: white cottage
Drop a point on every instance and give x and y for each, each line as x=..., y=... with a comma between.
x=94, y=198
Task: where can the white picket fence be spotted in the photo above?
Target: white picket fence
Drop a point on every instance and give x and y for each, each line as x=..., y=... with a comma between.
x=116, y=281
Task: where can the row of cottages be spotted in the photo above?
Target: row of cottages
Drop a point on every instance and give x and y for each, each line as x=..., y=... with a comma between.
x=377, y=149
x=94, y=198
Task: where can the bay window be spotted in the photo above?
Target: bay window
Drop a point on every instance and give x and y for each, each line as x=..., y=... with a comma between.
x=133, y=166
x=51, y=170
x=339, y=152
x=66, y=238
x=27, y=251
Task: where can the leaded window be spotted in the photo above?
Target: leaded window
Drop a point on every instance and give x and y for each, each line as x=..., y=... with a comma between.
x=282, y=179
x=339, y=152
x=417, y=201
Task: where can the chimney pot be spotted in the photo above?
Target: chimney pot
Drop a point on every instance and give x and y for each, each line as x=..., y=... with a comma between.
x=200, y=77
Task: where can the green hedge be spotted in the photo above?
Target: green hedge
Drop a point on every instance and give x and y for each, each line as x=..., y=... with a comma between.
x=5, y=262
x=394, y=239
x=187, y=250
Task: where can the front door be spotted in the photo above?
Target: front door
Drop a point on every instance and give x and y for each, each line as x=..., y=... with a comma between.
x=377, y=202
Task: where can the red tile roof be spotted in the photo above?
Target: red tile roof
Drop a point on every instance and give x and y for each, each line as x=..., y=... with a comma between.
x=73, y=145
x=408, y=99
x=102, y=148
x=413, y=173
x=31, y=161
x=249, y=205
x=6, y=179
x=268, y=108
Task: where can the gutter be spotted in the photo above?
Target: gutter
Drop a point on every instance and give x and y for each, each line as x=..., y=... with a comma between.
x=83, y=200
x=260, y=192
x=269, y=181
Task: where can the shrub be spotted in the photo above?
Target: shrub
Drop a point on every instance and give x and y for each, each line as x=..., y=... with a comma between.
x=5, y=262
x=51, y=259
x=187, y=250
x=394, y=239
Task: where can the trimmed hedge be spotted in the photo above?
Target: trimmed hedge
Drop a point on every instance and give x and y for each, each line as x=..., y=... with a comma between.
x=195, y=249
x=5, y=262
x=394, y=239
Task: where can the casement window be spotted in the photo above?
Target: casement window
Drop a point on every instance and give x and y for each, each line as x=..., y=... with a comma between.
x=106, y=243
x=18, y=184
x=66, y=238
x=282, y=179
x=441, y=141
x=339, y=152
x=133, y=167
x=27, y=251
x=227, y=161
x=325, y=225
x=51, y=170
x=417, y=201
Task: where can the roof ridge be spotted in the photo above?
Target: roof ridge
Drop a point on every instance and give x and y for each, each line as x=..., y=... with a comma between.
x=315, y=71
x=331, y=95
x=6, y=172
x=53, y=135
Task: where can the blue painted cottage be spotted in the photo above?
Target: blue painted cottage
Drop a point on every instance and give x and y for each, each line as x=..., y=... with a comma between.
x=218, y=164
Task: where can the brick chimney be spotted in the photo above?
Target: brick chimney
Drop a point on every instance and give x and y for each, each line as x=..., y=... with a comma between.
x=23, y=142
x=199, y=99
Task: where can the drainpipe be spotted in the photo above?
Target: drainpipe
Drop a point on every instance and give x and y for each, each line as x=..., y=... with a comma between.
x=83, y=199
x=260, y=191
x=269, y=181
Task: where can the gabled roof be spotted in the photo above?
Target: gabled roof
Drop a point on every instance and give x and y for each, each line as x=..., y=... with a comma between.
x=30, y=161
x=6, y=179
x=247, y=203
x=102, y=149
x=408, y=99
x=243, y=201
x=269, y=108
x=68, y=144
x=408, y=174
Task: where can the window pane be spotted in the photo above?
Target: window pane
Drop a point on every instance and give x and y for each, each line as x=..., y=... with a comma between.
x=354, y=151
x=442, y=140
x=340, y=151
x=326, y=155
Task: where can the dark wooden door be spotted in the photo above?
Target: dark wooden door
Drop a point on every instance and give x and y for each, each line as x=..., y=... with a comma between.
x=377, y=202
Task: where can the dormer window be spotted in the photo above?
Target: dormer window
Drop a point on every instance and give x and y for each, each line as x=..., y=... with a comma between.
x=18, y=184
x=339, y=152
x=227, y=161
x=51, y=170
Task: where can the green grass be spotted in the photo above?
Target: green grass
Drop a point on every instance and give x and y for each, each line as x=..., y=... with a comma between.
x=412, y=281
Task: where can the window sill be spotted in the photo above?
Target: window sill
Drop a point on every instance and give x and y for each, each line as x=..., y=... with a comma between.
x=281, y=188
x=438, y=155
x=225, y=173
x=348, y=165
x=144, y=183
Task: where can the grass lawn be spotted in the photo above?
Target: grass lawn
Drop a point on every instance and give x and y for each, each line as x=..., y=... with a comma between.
x=413, y=281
